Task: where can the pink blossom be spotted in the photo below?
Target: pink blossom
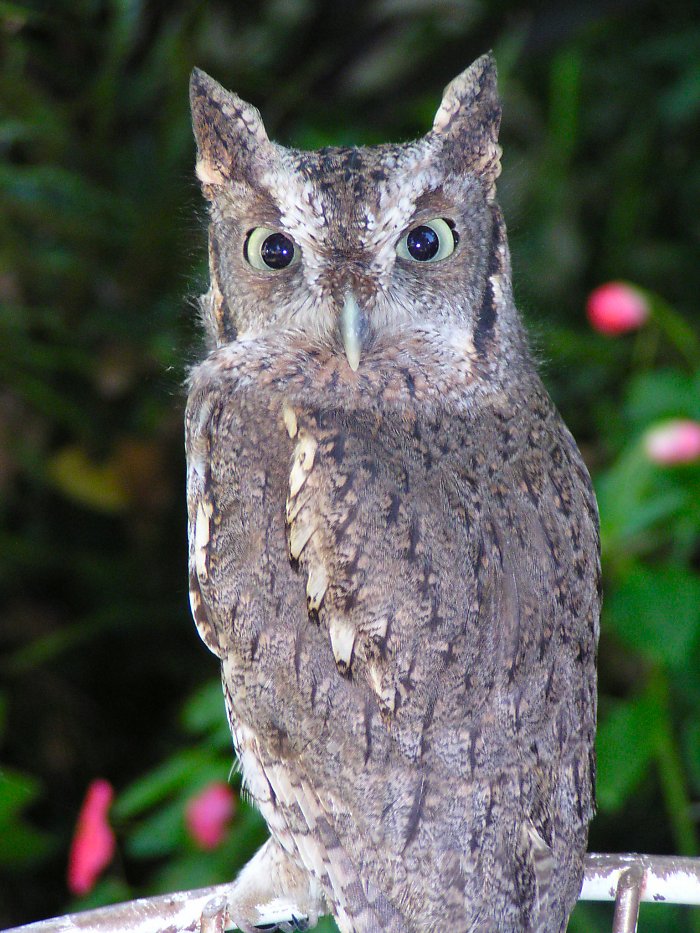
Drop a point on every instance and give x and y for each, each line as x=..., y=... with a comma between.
x=93, y=844
x=676, y=441
x=616, y=308
x=208, y=814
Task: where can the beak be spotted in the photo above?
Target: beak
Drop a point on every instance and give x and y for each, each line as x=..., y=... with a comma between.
x=352, y=329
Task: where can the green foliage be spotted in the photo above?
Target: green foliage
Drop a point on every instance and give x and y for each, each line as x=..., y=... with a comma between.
x=21, y=846
x=99, y=242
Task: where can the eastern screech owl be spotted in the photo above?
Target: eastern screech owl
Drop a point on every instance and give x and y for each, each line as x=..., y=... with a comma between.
x=393, y=537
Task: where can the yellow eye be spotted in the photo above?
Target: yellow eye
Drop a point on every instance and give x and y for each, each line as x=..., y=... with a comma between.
x=270, y=250
x=429, y=242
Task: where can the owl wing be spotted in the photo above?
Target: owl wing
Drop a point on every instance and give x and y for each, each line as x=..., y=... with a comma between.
x=287, y=703
x=461, y=595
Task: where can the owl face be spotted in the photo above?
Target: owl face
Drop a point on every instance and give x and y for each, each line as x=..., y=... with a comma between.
x=349, y=249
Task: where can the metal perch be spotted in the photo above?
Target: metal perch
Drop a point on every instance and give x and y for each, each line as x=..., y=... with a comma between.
x=625, y=879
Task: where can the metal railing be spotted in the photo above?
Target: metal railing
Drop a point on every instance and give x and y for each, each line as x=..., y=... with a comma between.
x=625, y=879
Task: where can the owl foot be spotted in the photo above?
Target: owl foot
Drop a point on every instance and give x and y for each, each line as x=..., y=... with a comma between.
x=286, y=926
x=272, y=893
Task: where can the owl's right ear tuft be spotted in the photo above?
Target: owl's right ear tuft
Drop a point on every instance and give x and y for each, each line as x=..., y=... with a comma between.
x=229, y=132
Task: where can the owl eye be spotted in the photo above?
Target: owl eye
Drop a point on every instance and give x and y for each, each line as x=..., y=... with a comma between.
x=269, y=250
x=429, y=242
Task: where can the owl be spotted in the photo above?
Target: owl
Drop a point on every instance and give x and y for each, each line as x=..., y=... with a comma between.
x=393, y=538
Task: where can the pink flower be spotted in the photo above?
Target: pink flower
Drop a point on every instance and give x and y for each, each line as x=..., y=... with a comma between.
x=208, y=814
x=676, y=441
x=616, y=308
x=93, y=844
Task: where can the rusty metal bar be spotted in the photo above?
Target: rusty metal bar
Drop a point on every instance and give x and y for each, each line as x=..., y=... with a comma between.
x=180, y=912
x=668, y=879
x=625, y=879
x=627, y=900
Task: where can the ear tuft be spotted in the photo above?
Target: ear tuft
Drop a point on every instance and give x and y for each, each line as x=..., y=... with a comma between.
x=469, y=118
x=228, y=131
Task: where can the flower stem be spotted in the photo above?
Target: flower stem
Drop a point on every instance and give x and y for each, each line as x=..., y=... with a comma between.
x=670, y=766
x=676, y=329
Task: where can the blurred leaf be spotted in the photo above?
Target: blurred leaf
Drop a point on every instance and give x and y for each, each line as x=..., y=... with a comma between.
x=662, y=393
x=18, y=791
x=627, y=503
x=184, y=771
x=64, y=201
x=636, y=496
x=96, y=485
x=665, y=918
x=108, y=890
x=692, y=746
x=160, y=833
x=205, y=714
x=205, y=708
x=591, y=918
x=326, y=925
x=656, y=610
x=20, y=844
x=625, y=746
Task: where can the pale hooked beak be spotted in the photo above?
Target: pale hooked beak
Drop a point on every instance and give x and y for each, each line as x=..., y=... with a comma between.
x=352, y=328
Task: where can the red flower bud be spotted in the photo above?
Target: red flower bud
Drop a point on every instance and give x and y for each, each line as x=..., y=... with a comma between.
x=672, y=442
x=93, y=844
x=616, y=308
x=208, y=814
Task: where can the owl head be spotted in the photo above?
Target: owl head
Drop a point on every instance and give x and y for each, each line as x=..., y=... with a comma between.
x=350, y=249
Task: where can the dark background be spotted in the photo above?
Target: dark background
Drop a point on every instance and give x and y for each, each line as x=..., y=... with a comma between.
x=102, y=249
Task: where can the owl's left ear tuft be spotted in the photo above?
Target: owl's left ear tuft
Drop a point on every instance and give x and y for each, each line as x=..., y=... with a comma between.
x=468, y=120
x=229, y=132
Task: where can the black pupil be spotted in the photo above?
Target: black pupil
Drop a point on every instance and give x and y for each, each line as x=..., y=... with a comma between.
x=277, y=251
x=423, y=243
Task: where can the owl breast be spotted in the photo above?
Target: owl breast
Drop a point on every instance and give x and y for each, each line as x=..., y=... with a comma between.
x=401, y=619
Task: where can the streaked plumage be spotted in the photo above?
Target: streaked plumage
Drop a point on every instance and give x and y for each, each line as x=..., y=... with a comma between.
x=393, y=538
